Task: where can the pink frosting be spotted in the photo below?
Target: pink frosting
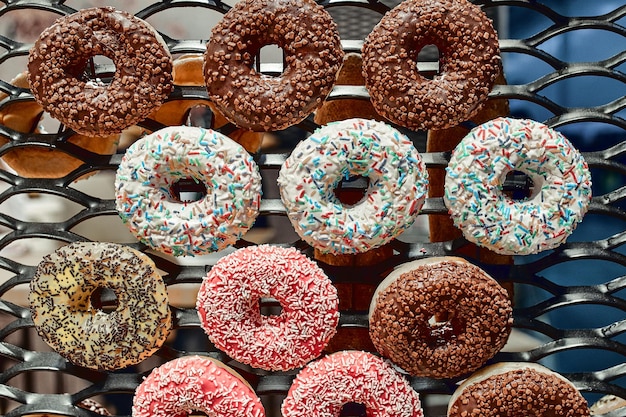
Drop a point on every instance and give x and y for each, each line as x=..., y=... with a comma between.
x=324, y=386
x=194, y=383
x=228, y=306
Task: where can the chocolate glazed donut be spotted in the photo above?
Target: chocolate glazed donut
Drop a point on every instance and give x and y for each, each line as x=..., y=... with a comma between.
x=312, y=55
x=469, y=63
x=511, y=389
x=60, y=56
x=439, y=317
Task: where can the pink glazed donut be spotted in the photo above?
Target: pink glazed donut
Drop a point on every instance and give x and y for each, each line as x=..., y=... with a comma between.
x=323, y=387
x=195, y=383
x=228, y=306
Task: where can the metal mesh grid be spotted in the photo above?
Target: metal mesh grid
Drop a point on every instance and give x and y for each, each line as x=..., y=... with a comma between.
x=570, y=300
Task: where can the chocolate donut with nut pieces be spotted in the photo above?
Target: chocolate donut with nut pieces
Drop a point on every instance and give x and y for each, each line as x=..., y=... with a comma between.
x=439, y=317
x=468, y=65
x=59, y=60
x=511, y=389
x=312, y=51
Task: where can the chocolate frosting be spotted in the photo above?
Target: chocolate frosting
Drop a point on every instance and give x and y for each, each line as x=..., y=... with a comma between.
x=60, y=56
x=441, y=319
x=520, y=392
x=312, y=57
x=469, y=63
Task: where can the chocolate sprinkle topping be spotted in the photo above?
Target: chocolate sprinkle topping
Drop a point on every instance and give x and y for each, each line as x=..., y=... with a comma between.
x=469, y=63
x=142, y=79
x=312, y=55
x=441, y=320
x=522, y=392
x=66, y=318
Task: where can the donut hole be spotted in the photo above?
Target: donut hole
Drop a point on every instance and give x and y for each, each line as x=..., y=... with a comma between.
x=200, y=116
x=353, y=409
x=350, y=191
x=188, y=190
x=428, y=61
x=518, y=186
x=98, y=69
x=443, y=326
x=269, y=60
x=104, y=299
x=270, y=307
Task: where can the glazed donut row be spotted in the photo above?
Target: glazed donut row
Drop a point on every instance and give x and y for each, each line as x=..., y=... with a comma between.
x=471, y=312
x=397, y=186
x=58, y=70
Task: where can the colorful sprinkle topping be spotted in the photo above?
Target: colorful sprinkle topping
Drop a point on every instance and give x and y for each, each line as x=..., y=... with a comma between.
x=478, y=206
x=340, y=150
x=153, y=164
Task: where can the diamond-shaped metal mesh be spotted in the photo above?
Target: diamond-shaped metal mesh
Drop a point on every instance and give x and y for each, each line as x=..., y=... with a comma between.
x=570, y=303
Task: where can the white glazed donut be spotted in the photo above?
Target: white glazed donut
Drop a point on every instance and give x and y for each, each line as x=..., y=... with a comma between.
x=228, y=306
x=67, y=315
x=146, y=202
x=324, y=386
x=350, y=148
x=195, y=383
x=487, y=217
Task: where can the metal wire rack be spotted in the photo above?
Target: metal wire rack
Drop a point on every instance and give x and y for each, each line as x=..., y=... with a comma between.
x=571, y=301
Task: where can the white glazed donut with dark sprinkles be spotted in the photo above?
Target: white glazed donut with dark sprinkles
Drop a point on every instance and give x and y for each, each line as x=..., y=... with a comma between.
x=64, y=315
x=340, y=150
x=228, y=306
x=195, y=383
x=487, y=217
x=324, y=386
x=147, y=203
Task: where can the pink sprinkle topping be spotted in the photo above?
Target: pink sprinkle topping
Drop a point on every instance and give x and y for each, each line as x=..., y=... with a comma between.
x=324, y=386
x=228, y=306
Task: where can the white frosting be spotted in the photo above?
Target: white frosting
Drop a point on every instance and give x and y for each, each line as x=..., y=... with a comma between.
x=64, y=313
x=151, y=166
x=350, y=148
x=487, y=217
